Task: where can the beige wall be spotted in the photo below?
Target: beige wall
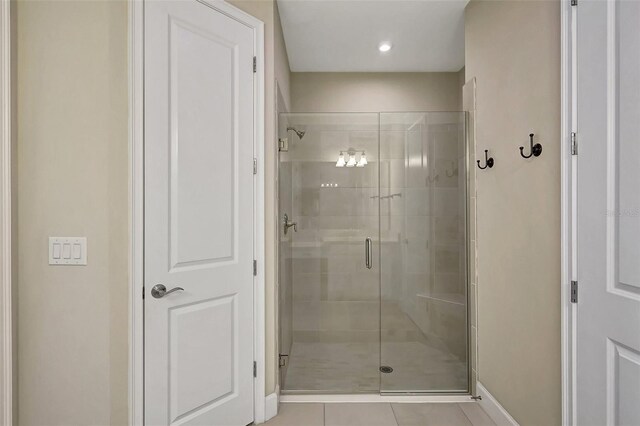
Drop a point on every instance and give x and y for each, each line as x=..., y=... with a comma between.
x=513, y=51
x=282, y=69
x=72, y=181
x=373, y=92
x=461, y=82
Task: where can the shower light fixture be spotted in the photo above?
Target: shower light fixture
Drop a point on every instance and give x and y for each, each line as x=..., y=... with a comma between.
x=341, y=162
x=352, y=160
x=385, y=46
x=363, y=160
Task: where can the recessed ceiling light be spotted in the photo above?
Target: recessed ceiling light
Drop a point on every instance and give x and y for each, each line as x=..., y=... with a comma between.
x=385, y=46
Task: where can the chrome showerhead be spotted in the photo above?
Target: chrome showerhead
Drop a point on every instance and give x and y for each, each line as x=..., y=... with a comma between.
x=300, y=133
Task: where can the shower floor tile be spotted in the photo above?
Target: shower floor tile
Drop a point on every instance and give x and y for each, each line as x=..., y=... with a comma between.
x=419, y=366
x=354, y=368
x=333, y=367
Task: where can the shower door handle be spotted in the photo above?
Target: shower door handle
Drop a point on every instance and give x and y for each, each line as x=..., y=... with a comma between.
x=367, y=252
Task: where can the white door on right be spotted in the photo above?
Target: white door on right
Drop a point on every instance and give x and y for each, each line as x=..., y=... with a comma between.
x=608, y=213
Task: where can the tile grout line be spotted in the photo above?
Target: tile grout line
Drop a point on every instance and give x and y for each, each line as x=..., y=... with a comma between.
x=465, y=414
x=324, y=414
x=394, y=414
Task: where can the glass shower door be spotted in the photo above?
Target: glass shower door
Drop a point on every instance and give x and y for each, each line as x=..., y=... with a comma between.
x=329, y=296
x=423, y=239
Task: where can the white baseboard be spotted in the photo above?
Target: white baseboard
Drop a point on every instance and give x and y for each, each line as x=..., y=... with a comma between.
x=271, y=406
x=492, y=407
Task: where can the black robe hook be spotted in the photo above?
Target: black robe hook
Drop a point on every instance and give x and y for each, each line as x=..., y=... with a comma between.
x=487, y=160
x=536, y=149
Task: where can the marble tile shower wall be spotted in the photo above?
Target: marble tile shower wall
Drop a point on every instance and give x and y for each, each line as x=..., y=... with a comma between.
x=336, y=299
x=427, y=279
x=446, y=302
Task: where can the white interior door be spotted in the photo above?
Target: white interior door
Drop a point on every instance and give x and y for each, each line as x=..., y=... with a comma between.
x=608, y=213
x=198, y=215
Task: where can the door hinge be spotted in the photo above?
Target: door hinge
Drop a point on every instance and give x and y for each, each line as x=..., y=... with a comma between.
x=255, y=369
x=142, y=293
x=283, y=144
x=255, y=64
x=574, y=2
x=574, y=291
x=282, y=360
x=574, y=143
x=255, y=267
x=255, y=166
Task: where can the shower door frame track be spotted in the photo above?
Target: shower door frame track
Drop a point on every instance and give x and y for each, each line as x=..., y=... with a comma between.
x=375, y=397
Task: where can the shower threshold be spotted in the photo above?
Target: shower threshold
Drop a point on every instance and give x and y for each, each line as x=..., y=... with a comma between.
x=376, y=397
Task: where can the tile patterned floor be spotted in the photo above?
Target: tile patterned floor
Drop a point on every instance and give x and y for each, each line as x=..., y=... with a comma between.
x=381, y=414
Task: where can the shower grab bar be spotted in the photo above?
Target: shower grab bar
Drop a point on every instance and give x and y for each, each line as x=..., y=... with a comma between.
x=367, y=252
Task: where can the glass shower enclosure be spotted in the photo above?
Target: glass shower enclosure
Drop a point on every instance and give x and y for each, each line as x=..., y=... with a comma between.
x=372, y=282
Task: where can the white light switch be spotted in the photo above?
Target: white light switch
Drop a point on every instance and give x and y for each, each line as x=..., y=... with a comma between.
x=57, y=251
x=76, y=251
x=67, y=251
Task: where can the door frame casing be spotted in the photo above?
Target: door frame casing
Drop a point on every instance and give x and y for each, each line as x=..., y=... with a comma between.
x=6, y=311
x=136, y=200
x=568, y=181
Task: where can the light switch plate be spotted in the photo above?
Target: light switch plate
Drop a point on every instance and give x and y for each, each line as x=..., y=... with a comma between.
x=68, y=251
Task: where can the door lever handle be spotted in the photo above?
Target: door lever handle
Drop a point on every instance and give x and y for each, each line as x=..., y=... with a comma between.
x=159, y=290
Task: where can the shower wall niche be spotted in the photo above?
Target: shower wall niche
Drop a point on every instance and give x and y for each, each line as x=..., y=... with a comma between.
x=372, y=280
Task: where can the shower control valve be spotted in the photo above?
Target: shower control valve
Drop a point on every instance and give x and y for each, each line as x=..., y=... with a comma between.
x=288, y=224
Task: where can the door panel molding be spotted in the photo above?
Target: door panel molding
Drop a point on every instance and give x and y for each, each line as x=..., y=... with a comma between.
x=180, y=321
x=136, y=199
x=620, y=267
x=217, y=243
x=620, y=379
